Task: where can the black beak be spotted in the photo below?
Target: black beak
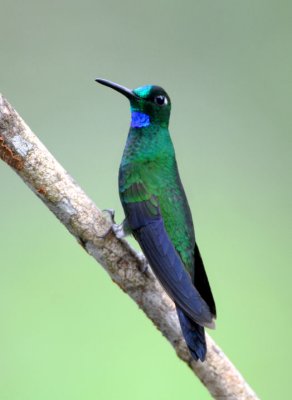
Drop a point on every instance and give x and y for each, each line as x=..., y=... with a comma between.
x=121, y=89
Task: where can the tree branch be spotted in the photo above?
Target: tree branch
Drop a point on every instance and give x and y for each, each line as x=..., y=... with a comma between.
x=22, y=150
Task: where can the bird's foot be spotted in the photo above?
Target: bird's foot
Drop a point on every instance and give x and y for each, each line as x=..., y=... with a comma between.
x=119, y=230
x=143, y=263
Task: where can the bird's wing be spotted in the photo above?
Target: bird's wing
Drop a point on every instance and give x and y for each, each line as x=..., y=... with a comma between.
x=146, y=222
x=201, y=281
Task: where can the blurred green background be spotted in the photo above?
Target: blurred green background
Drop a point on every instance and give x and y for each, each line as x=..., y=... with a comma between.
x=66, y=331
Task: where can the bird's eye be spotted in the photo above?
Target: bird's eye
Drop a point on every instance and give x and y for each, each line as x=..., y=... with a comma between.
x=160, y=100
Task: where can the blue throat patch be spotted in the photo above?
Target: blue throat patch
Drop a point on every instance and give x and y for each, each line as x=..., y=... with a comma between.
x=139, y=119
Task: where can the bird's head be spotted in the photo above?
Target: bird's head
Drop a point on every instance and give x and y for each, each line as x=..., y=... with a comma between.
x=150, y=104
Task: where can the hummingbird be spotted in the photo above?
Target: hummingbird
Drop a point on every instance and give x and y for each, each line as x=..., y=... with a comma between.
x=158, y=215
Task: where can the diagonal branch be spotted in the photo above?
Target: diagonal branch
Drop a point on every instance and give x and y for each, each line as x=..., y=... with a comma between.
x=23, y=151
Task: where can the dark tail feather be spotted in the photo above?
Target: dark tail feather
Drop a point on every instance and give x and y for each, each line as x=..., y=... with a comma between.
x=194, y=335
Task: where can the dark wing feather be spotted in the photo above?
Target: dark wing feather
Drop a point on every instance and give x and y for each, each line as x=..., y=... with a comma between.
x=201, y=281
x=148, y=228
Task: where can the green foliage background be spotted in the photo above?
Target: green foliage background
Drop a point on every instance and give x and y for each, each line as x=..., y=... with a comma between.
x=68, y=333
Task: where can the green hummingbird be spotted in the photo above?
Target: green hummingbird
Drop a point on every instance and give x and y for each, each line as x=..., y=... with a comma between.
x=157, y=212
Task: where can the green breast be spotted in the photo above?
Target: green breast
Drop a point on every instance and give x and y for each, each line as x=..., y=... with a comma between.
x=178, y=220
x=148, y=172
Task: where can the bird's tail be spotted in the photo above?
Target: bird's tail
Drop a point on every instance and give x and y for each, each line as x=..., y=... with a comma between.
x=194, y=335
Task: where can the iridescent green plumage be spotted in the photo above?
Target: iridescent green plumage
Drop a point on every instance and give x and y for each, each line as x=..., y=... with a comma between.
x=158, y=213
x=149, y=159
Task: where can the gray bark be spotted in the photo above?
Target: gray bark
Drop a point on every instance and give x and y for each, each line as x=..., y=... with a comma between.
x=29, y=158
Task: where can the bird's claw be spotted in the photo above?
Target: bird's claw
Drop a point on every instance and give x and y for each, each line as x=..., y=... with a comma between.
x=143, y=263
x=111, y=213
x=119, y=230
